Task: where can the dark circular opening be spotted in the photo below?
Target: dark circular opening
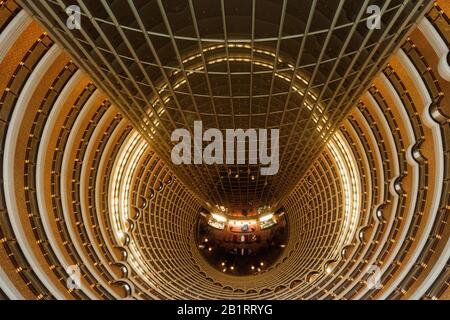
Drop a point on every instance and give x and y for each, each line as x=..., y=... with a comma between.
x=242, y=243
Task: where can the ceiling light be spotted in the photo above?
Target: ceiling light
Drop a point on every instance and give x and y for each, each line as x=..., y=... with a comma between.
x=266, y=217
x=218, y=217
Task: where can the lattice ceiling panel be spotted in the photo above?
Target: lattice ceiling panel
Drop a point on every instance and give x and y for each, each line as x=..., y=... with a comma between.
x=297, y=66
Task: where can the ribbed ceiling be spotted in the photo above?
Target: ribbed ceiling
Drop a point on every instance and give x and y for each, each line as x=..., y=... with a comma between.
x=297, y=66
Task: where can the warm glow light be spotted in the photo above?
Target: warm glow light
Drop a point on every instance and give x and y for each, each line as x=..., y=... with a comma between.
x=349, y=177
x=266, y=217
x=218, y=217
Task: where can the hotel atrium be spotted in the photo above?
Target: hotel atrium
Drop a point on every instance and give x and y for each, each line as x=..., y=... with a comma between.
x=92, y=205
